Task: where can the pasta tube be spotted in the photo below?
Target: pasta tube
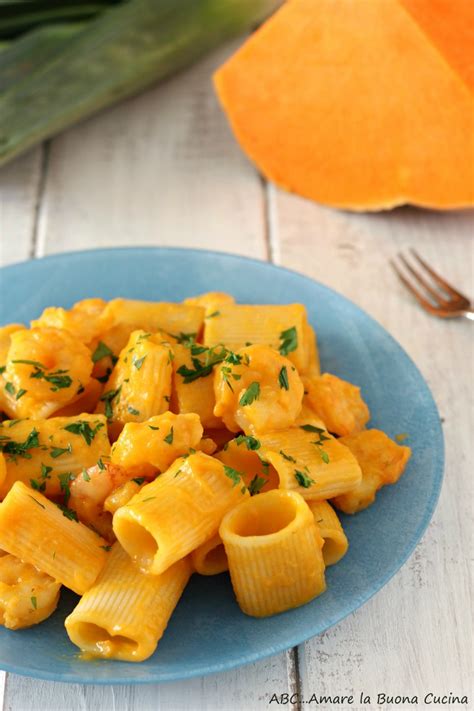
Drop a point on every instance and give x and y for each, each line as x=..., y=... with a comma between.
x=210, y=558
x=124, y=615
x=274, y=549
x=47, y=454
x=177, y=512
x=311, y=461
x=38, y=532
x=335, y=540
x=382, y=462
x=140, y=384
x=84, y=320
x=280, y=327
x=155, y=316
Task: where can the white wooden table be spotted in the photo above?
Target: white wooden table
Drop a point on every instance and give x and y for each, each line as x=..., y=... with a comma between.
x=163, y=169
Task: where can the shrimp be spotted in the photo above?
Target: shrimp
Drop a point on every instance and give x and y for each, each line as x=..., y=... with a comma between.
x=89, y=491
x=27, y=596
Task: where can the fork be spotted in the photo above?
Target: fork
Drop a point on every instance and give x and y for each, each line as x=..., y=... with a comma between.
x=439, y=297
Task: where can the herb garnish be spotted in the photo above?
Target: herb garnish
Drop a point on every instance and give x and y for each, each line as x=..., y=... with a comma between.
x=287, y=457
x=233, y=474
x=83, y=428
x=34, y=602
x=213, y=315
x=201, y=369
x=138, y=362
x=252, y=393
x=108, y=398
x=57, y=378
x=252, y=443
x=10, y=388
x=319, y=442
x=132, y=410
x=102, y=351
x=303, y=479
x=169, y=437
x=64, y=481
x=59, y=451
x=106, y=548
x=289, y=341
x=256, y=484
x=68, y=513
x=153, y=428
x=20, y=449
x=139, y=480
x=283, y=378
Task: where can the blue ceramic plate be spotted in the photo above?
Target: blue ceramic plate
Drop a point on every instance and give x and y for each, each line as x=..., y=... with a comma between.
x=208, y=633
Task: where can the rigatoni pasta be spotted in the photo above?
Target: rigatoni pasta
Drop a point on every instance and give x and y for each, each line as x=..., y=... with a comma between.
x=124, y=615
x=274, y=550
x=177, y=512
x=38, y=532
x=224, y=455
x=335, y=540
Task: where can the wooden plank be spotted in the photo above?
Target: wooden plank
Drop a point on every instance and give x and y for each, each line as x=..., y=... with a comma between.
x=413, y=637
x=161, y=169
x=20, y=184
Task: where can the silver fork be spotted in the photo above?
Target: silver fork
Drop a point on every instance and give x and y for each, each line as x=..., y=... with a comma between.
x=439, y=297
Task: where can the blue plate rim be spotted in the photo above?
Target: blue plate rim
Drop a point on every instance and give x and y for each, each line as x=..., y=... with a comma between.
x=250, y=658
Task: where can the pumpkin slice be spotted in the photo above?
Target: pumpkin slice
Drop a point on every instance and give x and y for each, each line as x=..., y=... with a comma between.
x=351, y=104
x=450, y=26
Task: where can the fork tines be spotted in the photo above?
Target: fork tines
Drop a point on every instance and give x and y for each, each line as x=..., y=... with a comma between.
x=433, y=292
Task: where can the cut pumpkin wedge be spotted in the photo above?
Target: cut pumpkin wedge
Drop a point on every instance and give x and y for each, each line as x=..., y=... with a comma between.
x=360, y=105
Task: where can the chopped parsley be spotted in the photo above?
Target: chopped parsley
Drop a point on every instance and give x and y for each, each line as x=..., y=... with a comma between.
x=106, y=548
x=150, y=498
x=102, y=351
x=68, y=513
x=85, y=475
x=252, y=443
x=322, y=437
x=34, y=602
x=201, y=369
x=10, y=388
x=20, y=449
x=59, y=451
x=186, y=339
x=252, y=393
x=214, y=314
x=64, y=481
x=58, y=378
x=83, y=428
x=233, y=474
x=37, y=485
x=153, y=428
x=289, y=341
x=256, y=484
x=100, y=464
x=20, y=393
x=288, y=457
x=139, y=480
x=108, y=398
x=169, y=437
x=105, y=377
x=283, y=378
x=138, y=362
x=132, y=410
x=303, y=479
